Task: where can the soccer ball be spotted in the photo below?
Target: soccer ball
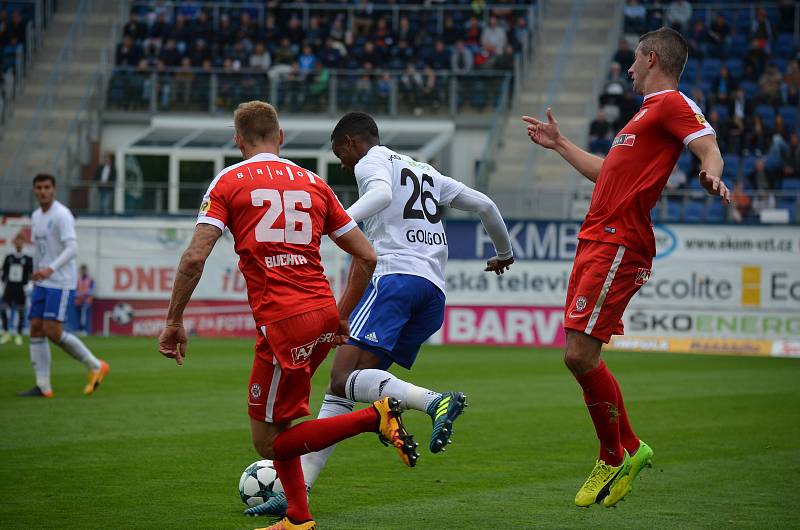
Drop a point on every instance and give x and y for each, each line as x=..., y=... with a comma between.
x=255, y=486
x=122, y=313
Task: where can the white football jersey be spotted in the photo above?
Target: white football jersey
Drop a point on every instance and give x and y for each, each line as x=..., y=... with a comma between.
x=408, y=235
x=49, y=231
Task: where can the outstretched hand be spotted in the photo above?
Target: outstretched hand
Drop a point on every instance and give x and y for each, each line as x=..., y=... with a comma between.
x=541, y=133
x=172, y=342
x=498, y=266
x=715, y=186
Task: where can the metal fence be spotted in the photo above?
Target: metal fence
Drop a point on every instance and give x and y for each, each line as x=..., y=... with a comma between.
x=326, y=92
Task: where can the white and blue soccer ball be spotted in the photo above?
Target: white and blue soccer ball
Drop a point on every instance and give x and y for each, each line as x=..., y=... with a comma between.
x=122, y=313
x=257, y=481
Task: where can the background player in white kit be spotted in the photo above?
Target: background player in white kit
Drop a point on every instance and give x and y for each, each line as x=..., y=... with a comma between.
x=55, y=278
x=400, y=205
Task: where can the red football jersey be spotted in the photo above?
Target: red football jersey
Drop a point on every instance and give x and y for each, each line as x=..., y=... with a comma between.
x=637, y=167
x=277, y=213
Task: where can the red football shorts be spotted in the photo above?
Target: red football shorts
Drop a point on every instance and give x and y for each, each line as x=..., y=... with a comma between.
x=288, y=353
x=604, y=278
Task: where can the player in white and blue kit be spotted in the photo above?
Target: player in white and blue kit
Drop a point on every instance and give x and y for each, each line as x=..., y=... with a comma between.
x=400, y=205
x=55, y=278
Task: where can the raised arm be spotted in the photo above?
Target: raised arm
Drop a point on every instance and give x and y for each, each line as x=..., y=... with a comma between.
x=355, y=243
x=549, y=136
x=706, y=149
x=172, y=341
x=475, y=201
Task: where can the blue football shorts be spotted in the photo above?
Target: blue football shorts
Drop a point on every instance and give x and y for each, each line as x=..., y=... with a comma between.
x=396, y=315
x=48, y=303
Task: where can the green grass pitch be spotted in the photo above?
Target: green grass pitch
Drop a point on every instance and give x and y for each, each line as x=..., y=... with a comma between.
x=163, y=447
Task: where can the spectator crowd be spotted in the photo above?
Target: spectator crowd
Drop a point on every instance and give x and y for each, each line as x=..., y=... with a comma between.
x=300, y=50
x=744, y=73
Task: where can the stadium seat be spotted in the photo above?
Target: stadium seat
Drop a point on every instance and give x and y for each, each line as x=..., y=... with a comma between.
x=715, y=211
x=789, y=115
x=735, y=67
x=710, y=67
x=723, y=111
x=737, y=46
x=792, y=184
x=790, y=204
x=674, y=208
x=731, y=167
x=685, y=162
x=694, y=210
x=750, y=89
x=784, y=46
x=767, y=115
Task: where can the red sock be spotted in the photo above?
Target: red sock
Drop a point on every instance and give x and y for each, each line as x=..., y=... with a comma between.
x=600, y=395
x=294, y=486
x=628, y=439
x=315, y=435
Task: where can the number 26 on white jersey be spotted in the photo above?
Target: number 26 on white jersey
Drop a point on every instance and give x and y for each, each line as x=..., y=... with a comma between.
x=293, y=217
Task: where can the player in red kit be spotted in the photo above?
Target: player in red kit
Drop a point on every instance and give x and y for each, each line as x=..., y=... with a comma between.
x=616, y=244
x=277, y=213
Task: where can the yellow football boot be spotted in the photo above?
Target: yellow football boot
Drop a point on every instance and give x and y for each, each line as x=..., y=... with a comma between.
x=641, y=459
x=392, y=432
x=95, y=378
x=286, y=524
x=601, y=480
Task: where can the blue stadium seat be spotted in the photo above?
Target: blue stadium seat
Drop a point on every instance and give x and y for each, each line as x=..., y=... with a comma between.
x=767, y=114
x=792, y=184
x=715, y=211
x=685, y=162
x=731, y=167
x=690, y=71
x=694, y=210
x=735, y=68
x=748, y=165
x=674, y=208
x=654, y=214
x=737, y=47
x=711, y=67
x=784, y=46
x=789, y=115
x=780, y=63
x=750, y=89
x=723, y=111
x=790, y=204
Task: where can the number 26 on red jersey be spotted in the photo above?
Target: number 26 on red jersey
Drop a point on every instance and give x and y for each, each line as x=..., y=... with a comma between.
x=290, y=233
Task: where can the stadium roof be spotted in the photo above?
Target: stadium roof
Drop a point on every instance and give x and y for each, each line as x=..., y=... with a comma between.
x=310, y=138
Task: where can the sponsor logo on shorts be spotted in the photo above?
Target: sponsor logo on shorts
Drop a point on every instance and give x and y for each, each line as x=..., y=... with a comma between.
x=642, y=275
x=255, y=391
x=301, y=354
x=624, y=139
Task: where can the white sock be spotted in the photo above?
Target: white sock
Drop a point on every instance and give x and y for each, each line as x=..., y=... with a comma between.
x=314, y=462
x=367, y=386
x=73, y=346
x=40, y=360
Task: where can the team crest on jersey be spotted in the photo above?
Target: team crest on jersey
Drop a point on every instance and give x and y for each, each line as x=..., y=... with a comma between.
x=642, y=275
x=640, y=115
x=700, y=119
x=580, y=303
x=624, y=139
x=255, y=391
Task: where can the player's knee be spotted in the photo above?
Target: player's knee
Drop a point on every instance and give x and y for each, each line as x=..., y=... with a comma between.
x=53, y=330
x=264, y=448
x=338, y=383
x=575, y=362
